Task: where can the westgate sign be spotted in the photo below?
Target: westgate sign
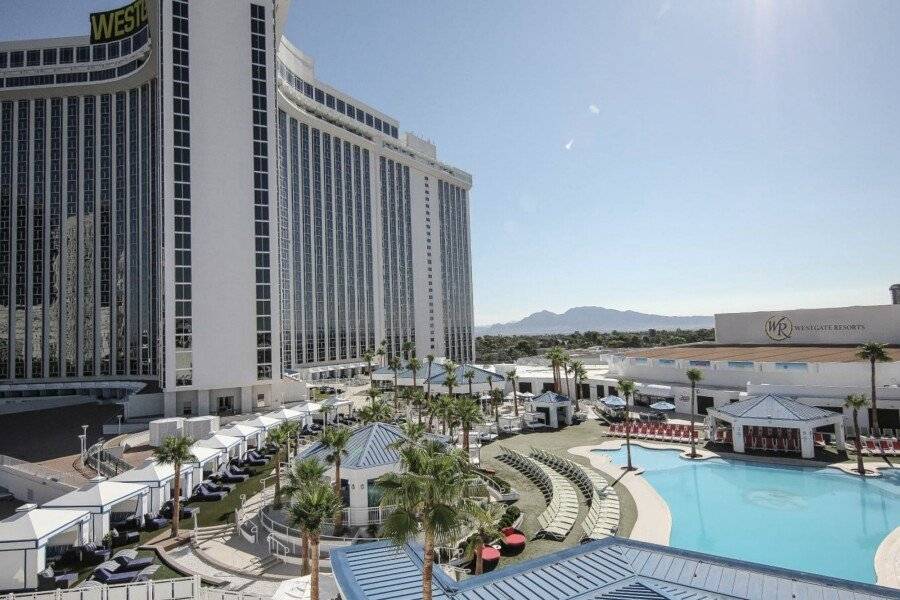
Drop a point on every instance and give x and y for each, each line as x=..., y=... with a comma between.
x=840, y=326
x=118, y=23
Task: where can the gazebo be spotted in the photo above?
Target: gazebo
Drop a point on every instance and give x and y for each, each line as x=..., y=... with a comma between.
x=555, y=408
x=206, y=460
x=159, y=478
x=775, y=423
x=109, y=502
x=32, y=537
x=248, y=434
x=232, y=446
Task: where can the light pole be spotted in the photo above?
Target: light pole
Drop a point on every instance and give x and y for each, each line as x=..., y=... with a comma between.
x=120, y=423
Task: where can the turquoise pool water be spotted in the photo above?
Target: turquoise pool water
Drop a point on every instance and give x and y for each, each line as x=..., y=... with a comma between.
x=816, y=520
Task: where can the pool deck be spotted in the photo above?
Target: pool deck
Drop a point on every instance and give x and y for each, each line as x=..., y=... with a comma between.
x=887, y=561
x=654, y=521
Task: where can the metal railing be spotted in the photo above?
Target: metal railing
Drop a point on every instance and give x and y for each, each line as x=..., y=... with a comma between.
x=179, y=588
x=103, y=462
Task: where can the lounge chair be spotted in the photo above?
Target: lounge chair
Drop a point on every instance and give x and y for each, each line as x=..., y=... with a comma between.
x=92, y=554
x=153, y=523
x=48, y=579
x=203, y=494
x=104, y=575
x=123, y=538
x=128, y=561
x=255, y=462
x=186, y=512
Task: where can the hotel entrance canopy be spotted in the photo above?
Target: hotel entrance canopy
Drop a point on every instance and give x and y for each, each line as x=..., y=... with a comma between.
x=778, y=412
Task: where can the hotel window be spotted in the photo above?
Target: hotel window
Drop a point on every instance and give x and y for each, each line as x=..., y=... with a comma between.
x=50, y=56
x=699, y=363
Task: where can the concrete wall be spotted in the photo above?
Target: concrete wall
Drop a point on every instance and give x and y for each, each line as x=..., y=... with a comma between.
x=26, y=487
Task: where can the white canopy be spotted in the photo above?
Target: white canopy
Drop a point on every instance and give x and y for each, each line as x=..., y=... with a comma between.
x=265, y=422
x=203, y=454
x=311, y=407
x=33, y=528
x=241, y=430
x=151, y=473
x=99, y=497
x=286, y=414
x=220, y=442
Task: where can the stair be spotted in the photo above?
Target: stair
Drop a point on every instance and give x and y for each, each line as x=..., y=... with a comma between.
x=215, y=531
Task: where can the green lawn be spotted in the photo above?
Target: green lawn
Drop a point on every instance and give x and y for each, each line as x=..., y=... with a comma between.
x=221, y=512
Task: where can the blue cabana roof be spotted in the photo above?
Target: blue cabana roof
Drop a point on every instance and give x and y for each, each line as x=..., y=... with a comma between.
x=608, y=569
x=369, y=446
x=772, y=406
x=550, y=397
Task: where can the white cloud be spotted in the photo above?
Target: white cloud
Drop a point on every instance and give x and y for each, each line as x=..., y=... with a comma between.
x=594, y=109
x=664, y=8
x=569, y=144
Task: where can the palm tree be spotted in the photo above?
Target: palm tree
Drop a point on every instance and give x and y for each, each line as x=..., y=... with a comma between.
x=857, y=402
x=414, y=365
x=377, y=412
x=450, y=381
x=873, y=352
x=175, y=451
x=306, y=472
x=381, y=352
x=430, y=359
x=373, y=393
x=281, y=437
x=395, y=364
x=430, y=495
x=567, y=369
x=483, y=518
x=470, y=377
x=578, y=373
x=511, y=375
x=417, y=400
x=496, y=402
x=444, y=410
x=369, y=356
x=413, y=434
x=556, y=356
x=626, y=388
x=310, y=510
x=409, y=350
x=336, y=440
x=694, y=376
x=469, y=414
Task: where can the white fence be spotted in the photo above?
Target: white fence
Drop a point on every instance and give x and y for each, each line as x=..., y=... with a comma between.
x=183, y=588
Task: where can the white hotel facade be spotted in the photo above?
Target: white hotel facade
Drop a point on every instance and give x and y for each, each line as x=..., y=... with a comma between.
x=187, y=215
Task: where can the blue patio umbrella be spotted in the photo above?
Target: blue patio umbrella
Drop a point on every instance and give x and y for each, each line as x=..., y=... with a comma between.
x=662, y=405
x=614, y=401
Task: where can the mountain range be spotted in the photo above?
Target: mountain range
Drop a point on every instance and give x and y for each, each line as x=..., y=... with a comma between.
x=592, y=318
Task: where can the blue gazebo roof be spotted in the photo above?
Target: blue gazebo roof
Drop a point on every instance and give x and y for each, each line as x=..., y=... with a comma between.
x=772, y=406
x=550, y=397
x=608, y=569
x=369, y=446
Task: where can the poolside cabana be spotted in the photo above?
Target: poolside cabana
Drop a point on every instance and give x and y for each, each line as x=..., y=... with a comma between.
x=556, y=408
x=264, y=422
x=510, y=423
x=232, y=446
x=250, y=436
x=110, y=503
x=160, y=479
x=206, y=461
x=30, y=539
x=289, y=414
x=773, y=422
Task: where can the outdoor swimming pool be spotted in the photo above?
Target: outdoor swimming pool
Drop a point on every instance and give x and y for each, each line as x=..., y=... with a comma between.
x=816, y=520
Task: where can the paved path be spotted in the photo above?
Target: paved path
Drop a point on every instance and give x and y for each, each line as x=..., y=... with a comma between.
x=887, y=560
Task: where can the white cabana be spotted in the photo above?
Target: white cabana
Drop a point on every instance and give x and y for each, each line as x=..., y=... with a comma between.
x=159, y=478
x=556, y=408
x=109, y=502
x=264, y=422
x=31, y=538
x=231, y=446
x=510, y=423
x=206, y=460
x=249, y=435
x=774, y=423
x=288, y=414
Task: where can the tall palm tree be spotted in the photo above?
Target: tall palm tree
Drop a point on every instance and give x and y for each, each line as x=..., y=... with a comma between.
x=450, y=381
x=511, y=375
x=496, y=402
x=430, y=359
x=409, y=350
x=857, y=402
x=874, y=353
x=470, y=377
x=311, y=509
x=430, y=495
x=336, y=440
x=567, y=369
x=395, y=364
x=175, y=451
x=280, y=435
x=373, y=393
x=377, y=412
x=444, y=410
x=381, y=352
x=469, y=414
x=413, y=434
x=578, y=374
x=484, y=519
x=556, y=356
x=414, y=365
x=369, y=356
x=694, y=376
x=417, y=401
x=305, y=473
x=626, y=388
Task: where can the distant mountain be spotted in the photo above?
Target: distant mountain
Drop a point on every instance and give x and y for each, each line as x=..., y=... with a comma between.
x=592, y=318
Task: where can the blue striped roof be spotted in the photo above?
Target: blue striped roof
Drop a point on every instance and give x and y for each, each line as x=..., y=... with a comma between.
x=608, y=569
x=551, y=397
x=369, y=446
x=772, y=406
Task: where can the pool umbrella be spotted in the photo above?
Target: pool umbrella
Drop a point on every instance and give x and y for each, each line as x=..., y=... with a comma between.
x=614, y=401
x=662, y=405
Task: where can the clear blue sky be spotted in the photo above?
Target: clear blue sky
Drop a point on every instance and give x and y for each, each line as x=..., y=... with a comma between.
x=666, y=156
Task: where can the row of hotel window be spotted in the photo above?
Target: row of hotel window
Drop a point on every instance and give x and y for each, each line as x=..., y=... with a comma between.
x=322, y=97
x=73, y=54
x=732, y=364
x=66, y=78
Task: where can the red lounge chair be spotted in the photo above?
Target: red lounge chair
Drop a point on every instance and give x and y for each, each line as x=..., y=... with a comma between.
x=886, y=446
x=870, y=448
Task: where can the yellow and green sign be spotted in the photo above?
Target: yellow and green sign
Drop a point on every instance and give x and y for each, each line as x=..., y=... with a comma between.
x=118, y=23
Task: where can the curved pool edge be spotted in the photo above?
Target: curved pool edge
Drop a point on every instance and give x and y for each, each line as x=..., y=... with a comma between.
x=653, y=523
x=887, y=561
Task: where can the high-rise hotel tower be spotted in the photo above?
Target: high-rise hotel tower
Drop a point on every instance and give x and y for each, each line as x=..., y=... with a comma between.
x=187, y=216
